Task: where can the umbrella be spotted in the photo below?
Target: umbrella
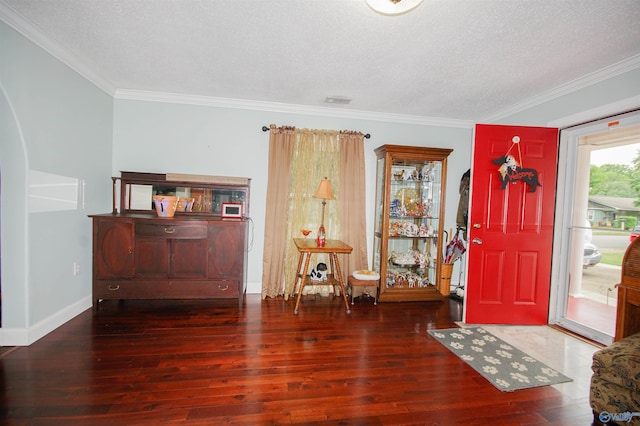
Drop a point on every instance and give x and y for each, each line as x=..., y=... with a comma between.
x=454, y=249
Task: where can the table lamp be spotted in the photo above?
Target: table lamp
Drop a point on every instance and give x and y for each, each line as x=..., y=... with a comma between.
x=324, y=192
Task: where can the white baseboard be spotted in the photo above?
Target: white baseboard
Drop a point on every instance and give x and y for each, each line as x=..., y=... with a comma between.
x=27, y=336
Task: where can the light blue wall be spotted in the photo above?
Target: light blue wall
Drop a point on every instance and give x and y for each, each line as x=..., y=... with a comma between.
x=53, y=121
x=180, y=138
x=13, y=225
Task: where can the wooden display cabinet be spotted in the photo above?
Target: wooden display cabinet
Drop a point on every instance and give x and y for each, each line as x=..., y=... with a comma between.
x=194, y=255
x=409, y=220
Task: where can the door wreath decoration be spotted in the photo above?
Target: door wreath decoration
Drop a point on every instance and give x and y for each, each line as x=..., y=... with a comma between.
x=512, y=171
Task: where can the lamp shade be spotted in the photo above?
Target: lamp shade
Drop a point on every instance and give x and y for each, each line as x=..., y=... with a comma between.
x=324, y=190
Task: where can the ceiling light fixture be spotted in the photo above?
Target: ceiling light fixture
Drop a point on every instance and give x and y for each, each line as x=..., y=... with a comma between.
x=393, y=7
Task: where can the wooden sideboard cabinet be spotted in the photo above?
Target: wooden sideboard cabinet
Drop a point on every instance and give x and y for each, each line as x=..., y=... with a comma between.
x=197, y=254
x=141, y=256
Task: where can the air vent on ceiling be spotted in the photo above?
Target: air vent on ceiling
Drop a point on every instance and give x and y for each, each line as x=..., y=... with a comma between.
x=337, y=100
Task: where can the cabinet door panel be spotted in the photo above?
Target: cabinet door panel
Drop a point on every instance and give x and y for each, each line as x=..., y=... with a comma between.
x=152, y=257
x=113, y=242
x=226, y=245
x=189, y=258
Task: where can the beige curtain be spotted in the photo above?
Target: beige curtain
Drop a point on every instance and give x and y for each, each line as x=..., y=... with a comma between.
x=338, y=156
x=352, y=201
x=316, y=156
x=281, y=147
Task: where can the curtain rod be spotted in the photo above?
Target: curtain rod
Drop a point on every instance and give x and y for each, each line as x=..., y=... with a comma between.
x=266, y=129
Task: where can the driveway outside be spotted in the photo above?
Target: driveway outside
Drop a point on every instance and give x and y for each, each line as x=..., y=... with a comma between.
x=598, y=282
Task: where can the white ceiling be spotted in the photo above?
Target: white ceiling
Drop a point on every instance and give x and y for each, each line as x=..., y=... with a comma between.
x=448, y=59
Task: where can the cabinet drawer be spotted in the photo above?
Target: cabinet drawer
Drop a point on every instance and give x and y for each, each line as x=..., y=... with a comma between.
x=224, y=289
x=165, y=289
x=169, y=230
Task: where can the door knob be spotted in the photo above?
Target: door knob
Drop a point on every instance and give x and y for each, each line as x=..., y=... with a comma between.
x=477, y=241
x=476, y=225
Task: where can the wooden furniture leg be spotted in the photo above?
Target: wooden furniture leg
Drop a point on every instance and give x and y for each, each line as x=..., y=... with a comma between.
x=302, y=278
x=343, y=289
x=298, y=272
x=333, y=272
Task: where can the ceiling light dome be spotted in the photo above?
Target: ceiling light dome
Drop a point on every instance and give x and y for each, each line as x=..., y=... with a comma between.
x=393, y=7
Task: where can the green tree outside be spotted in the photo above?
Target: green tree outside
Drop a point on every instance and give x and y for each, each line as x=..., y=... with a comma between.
x=615, y=180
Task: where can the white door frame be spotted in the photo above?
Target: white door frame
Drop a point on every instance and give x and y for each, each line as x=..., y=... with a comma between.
x=569, y=158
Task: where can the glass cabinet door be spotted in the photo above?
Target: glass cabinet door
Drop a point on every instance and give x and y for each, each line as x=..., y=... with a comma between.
x=409, y=220
x=210, y=200
x=206, y=193
x=413, y=224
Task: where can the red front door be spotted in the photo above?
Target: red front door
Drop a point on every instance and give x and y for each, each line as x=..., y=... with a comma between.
x=511, y=224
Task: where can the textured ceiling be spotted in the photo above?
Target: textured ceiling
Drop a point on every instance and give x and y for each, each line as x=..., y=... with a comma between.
x=452, y=59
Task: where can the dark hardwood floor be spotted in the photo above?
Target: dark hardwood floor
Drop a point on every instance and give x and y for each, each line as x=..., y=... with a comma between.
x=207, y=363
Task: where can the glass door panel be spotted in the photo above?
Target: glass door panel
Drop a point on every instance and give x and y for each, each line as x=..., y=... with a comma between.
x=594, y=221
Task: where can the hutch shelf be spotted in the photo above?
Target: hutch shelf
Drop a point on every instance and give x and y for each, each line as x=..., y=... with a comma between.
x=409, y=222
x=193, y=255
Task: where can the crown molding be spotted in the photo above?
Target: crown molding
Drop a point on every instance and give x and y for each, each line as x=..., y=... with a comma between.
x=603, y=74
x=34, y=34
x=140, y=95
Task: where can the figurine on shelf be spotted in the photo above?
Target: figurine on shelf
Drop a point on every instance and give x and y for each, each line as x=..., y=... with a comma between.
x=403, y=259
x=402, y=229
x=413, y=280
x=432, y=172
x=401, y=280
x=394, y=229
x=410, y=230
x=428, y=211
x=422, y=259
x=395, y=208
x=391, y=279
x=406, y=280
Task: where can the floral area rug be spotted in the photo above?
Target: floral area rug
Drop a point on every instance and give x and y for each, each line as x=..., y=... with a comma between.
x=506, y=367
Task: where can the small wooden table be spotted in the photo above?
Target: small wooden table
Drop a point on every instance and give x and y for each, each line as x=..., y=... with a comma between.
x=307, y=247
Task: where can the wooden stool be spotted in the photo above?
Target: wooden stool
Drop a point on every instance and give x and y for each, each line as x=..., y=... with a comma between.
x=364, y=286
